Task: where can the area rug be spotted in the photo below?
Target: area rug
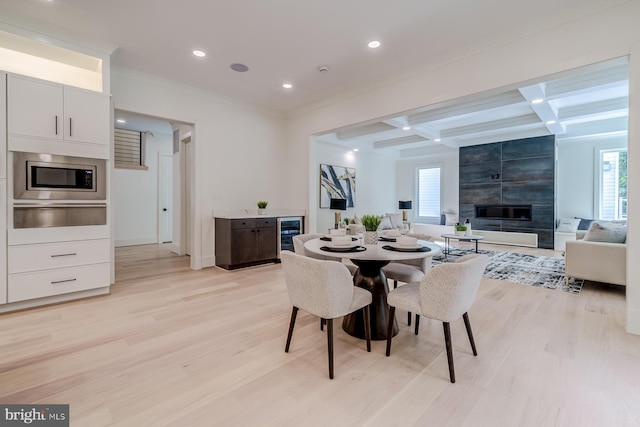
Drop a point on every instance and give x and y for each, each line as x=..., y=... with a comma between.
x=538, y=271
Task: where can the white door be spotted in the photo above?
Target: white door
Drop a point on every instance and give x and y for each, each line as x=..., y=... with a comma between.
x=165, y=199
x=185, y=148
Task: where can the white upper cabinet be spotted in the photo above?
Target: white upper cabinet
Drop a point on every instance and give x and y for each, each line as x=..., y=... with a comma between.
x=86, y=116
x=42, y=109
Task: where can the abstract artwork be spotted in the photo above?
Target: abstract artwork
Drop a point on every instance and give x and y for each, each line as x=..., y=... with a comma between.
x=337, y=182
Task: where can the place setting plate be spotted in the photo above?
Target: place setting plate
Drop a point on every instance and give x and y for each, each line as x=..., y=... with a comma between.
x=343, y=248
x=328, y=239
x=413, y=248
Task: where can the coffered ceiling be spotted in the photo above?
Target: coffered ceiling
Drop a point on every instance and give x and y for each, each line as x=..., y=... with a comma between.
x=587, y=102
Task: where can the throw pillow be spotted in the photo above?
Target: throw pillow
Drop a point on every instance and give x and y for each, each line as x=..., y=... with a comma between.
x=568, y=225
x=396, y=220
x=452, y=219
x=385, y=224
x=584, y=223
x=443, y=219
x=606, y=231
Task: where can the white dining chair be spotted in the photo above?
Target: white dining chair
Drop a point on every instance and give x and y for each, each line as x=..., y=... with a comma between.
x=410, y=270
x=298, y=247
x=324, y=289
x=445, y=293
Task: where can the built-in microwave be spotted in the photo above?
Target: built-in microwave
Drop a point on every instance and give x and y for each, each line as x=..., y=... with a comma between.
x=55, y=177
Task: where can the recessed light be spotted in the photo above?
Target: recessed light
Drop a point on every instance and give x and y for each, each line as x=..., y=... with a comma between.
x=199, y=53
x=406, y=128
x=374, y=44
x=356, y=149
x=241, y=68
x=121, y=121
x=551, y=122
x=287, y=85
x=537, y=101
x=437, y=140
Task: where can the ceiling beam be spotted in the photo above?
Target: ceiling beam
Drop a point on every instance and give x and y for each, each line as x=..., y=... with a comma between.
x=397, y=142
x=502, y=100
x=495, y=125
x=617, y=106
x=363, y=130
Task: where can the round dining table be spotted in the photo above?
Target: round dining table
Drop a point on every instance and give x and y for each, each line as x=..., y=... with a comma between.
x=371, y=277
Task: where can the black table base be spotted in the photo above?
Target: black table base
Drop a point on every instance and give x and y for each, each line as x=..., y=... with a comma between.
x=370, y=276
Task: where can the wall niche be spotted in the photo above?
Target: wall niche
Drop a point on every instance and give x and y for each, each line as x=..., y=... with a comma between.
x=516, y=172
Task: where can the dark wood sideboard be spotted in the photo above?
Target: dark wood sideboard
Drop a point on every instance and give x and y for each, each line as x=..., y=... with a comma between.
x=245, y=242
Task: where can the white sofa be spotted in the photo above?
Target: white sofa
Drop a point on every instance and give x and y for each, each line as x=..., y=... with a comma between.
x=433, y=230
x=597, y=261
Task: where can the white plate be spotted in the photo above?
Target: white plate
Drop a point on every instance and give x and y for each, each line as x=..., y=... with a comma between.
x=347, y=246
x=406, y=247
x=391, y=235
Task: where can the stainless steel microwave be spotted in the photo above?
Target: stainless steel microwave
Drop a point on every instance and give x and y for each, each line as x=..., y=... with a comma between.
x=55, y=177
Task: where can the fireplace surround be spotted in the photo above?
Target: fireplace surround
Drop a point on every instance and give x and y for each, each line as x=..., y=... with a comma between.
x=510, y=212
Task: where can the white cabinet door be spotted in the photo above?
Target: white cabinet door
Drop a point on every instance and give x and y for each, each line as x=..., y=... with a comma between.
x=3, y=125
x=86, y=116
x=3, y=241
x=34, y=108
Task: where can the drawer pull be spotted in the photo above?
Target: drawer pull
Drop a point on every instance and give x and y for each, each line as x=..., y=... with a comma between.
x=63, y=281
x=59, y=255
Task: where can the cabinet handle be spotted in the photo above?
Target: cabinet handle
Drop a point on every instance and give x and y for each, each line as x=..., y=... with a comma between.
x=70, y=127
x=56, y=125
x=59, y=255
x=63, y=281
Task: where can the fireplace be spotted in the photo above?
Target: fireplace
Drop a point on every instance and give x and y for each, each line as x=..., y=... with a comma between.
x=508, y=212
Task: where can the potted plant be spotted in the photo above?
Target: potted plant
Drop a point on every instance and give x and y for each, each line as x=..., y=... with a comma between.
x=371, y=224
x=262, y=205
x=460, y=229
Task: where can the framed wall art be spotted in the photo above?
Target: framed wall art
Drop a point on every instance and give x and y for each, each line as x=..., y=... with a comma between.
x=337, y=182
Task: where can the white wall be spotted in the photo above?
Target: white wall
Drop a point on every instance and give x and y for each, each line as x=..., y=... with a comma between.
x=375, y=184
x=238, y=150
x=576, y=178
x=597, y=37
x=449, y=180
x=134, y=195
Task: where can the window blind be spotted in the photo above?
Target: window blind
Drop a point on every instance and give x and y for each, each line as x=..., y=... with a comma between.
x=128, y=147
x=429, y=192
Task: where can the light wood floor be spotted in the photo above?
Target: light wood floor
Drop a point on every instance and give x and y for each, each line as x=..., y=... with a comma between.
x=176, y=347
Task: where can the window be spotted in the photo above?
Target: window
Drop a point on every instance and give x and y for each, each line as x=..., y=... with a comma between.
x=129, y=149
x=429, y=192
x=613, y=184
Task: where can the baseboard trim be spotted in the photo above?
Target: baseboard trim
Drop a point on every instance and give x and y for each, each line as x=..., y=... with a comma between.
x=633, y=321
x=23, y=305
x=135, y=242
x=529, y=240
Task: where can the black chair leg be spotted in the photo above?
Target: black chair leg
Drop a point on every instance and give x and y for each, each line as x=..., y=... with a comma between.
x=322, y=322
x=367, y=327
x=294, y=312
x=447, y=341
x=409, y=318
x=467, y=324
x=417, y=324
x=392, y=317
x=330, y=345
x=395, y=284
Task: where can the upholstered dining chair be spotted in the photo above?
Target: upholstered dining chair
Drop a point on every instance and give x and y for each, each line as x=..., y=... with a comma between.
x=445, y=293
x=407, y=271
x=298, y=247
x=324, y=289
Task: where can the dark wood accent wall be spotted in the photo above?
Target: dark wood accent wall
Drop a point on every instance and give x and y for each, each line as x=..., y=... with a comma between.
x=519, y=172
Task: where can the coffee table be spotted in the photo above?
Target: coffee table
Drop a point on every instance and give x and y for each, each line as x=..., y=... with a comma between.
x=447, y=246
x=370, y=276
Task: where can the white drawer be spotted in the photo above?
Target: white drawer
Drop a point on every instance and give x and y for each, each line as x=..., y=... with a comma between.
x=24, y=286
x=24, y=258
